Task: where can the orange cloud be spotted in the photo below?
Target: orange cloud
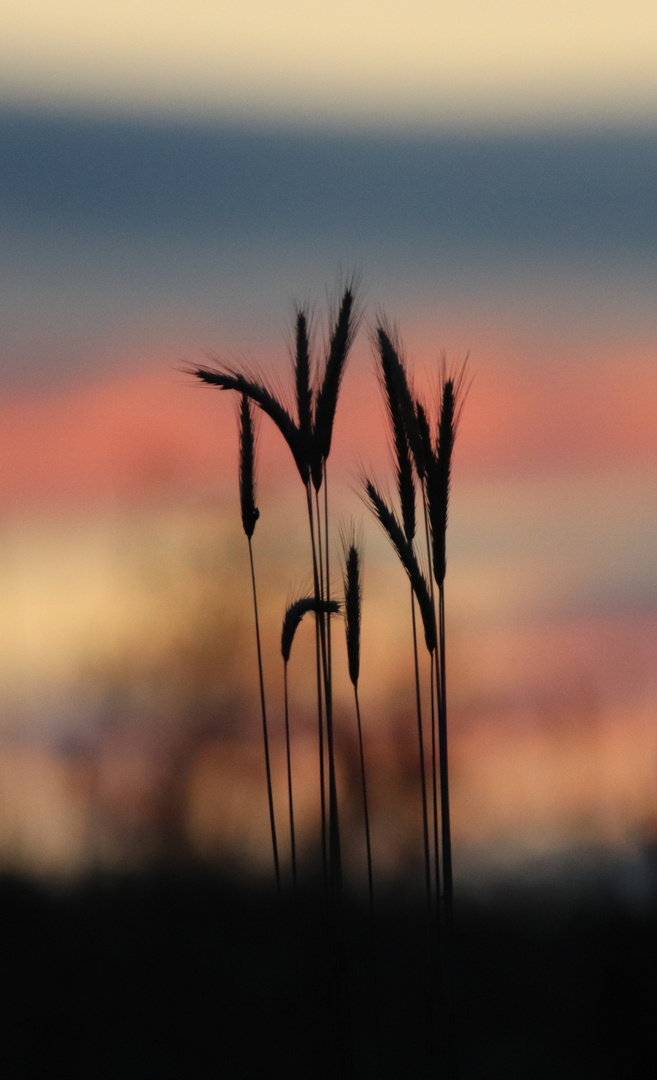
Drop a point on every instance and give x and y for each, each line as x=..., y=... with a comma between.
x=154, y=432
x=598, y=411
x=119, y=439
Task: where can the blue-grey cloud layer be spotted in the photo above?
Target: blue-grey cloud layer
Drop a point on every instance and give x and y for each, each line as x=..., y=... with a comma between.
x=113, y=228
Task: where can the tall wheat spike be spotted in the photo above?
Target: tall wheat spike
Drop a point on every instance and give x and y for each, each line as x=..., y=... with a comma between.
x=438, y=476
x=250, y=515
x=432, y=456
x=342, y=332
x=401, y=415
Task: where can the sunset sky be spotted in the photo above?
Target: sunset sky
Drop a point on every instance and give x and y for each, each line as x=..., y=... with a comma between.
x=470, y=63
x=175, y=177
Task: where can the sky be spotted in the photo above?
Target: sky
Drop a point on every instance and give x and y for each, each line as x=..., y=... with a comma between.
x=174, y=178
x=369, y=63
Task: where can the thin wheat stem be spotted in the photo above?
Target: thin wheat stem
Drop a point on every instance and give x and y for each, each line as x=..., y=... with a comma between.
x=325, y=586
x=293, y=617
x=423, y=775
x=250, y=514
x=265, y=730
x=435, y=692
x=290, y=794
x=451, y=1050
x=370, y=875
x=366, y=813
x=331, y=852
x=327, y=575
x=334, y=848
x=320, y=696
x=448, y=885
x=328, y=673
x=334, y=817
x=435, y=785
x=438, y=989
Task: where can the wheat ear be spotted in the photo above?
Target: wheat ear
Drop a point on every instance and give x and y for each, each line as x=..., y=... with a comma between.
x=342, y=335
x=394, y=531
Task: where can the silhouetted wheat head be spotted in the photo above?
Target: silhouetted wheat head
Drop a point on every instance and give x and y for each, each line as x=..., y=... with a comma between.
x=295, y=613
x=250, y=512
x=309, y=437
x=395, y=533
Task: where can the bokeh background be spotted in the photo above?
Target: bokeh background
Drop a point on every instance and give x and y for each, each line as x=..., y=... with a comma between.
x=173, y=178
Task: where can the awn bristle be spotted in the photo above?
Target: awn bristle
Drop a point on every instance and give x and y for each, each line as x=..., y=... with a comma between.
x=404, y=549
x=295, y=614
x=250, y=512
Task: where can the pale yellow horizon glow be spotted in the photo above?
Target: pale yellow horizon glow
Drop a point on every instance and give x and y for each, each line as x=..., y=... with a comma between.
x=373, y=62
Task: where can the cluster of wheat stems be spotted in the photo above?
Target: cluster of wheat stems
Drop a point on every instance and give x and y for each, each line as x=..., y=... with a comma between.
x=422, y=449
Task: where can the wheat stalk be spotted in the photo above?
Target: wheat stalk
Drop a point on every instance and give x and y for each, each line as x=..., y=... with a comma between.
x=405, y=429
x=250, y=515
x=291, y=622
x=432, y=457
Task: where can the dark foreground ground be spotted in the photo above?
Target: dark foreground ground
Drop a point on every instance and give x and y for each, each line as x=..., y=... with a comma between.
x=187, y=975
